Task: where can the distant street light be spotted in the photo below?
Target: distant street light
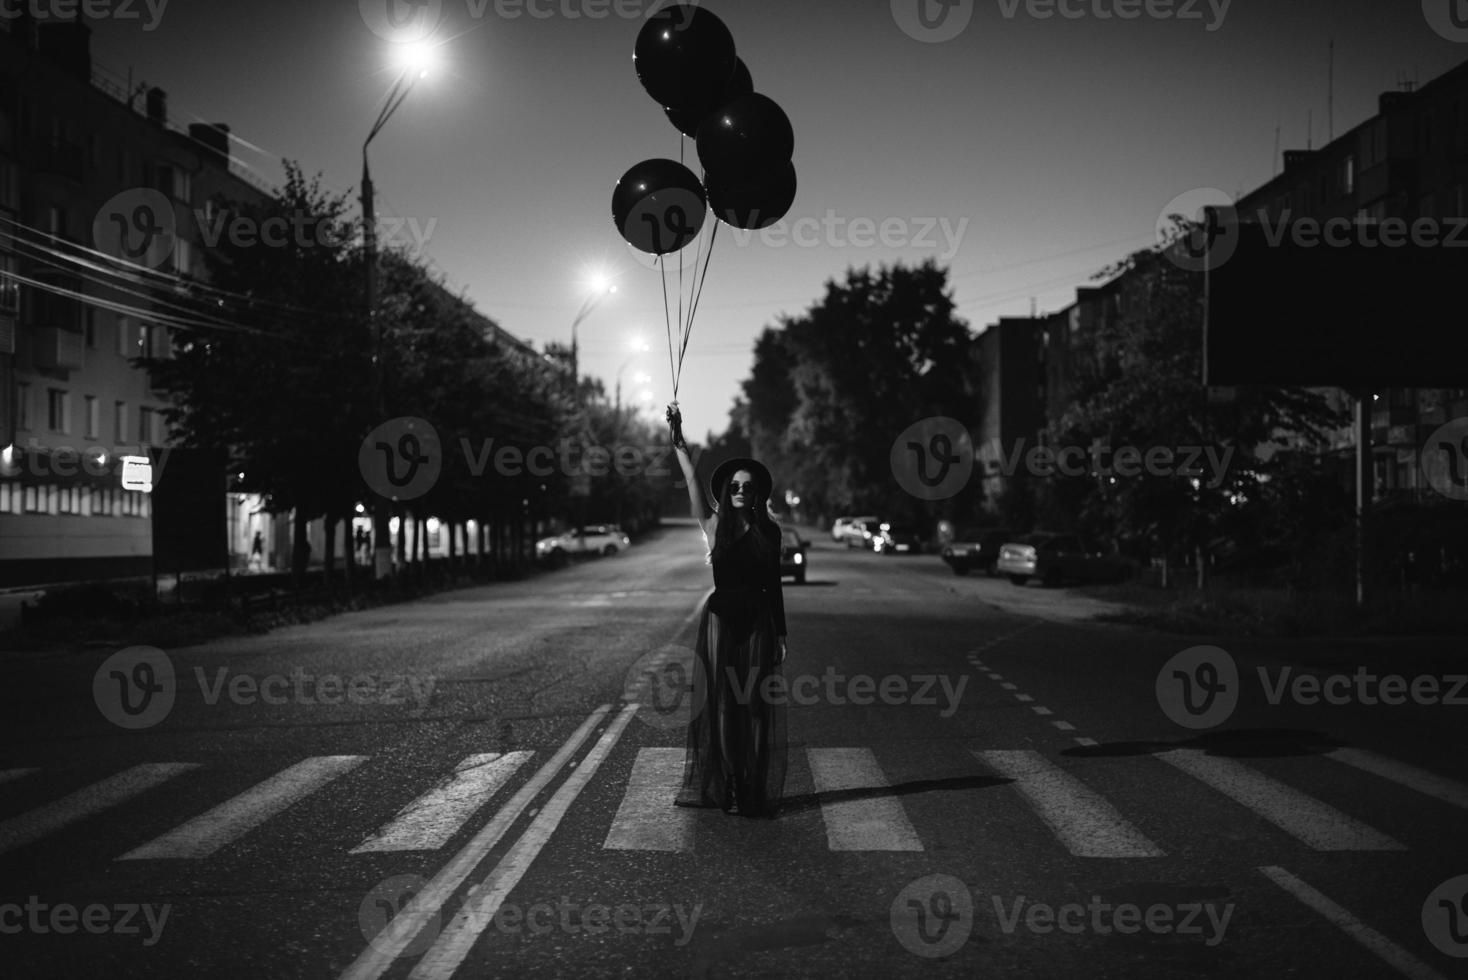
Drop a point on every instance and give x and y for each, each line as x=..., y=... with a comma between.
x=414, y=61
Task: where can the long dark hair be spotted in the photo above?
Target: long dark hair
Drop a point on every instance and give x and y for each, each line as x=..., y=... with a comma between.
x=757, y=512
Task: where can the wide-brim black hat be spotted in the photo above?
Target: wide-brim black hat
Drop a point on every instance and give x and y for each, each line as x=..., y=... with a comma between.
x=725, y=471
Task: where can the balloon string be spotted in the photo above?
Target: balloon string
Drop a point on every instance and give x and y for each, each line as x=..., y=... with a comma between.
x=668, y=327
x=697, y=296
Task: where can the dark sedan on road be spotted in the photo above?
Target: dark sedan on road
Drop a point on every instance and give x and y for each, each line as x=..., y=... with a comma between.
x=1057, y=558
x=793, y=555
x=976, y=547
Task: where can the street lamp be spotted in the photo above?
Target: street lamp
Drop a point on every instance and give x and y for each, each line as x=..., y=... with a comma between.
x=601, y=288
x=639, y=347
x=414, y=61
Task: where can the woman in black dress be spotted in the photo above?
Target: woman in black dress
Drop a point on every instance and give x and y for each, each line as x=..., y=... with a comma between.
x=736, y=738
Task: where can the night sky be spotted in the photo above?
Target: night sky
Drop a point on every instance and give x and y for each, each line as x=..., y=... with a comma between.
x=1050, y=144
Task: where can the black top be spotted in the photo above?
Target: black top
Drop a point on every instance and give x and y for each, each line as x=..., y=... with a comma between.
x=742, y=577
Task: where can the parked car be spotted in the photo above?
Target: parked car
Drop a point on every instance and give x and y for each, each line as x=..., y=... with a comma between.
x=976, y=547
x=594, y=539
x=793, y=555
x=859, y=533
x=1056, y=558
x=895, y=539
x=842, y=528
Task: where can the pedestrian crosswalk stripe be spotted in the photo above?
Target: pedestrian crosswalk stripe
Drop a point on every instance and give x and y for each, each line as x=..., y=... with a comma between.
x=647, y=820
x=7, y=775
x=35, y=824
x=1428, y=783
x=1085, y=823
x=208, y=832
x=875, y=823
x=428, y=822
x=1322, y=827
x=1392, y=954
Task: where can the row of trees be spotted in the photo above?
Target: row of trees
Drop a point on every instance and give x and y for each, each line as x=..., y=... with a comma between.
x=831, y=389
x=281, y=374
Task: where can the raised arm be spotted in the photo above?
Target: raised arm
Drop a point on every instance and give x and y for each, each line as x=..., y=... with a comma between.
x=697, y=504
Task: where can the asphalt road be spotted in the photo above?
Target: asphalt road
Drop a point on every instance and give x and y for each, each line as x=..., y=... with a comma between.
x=981, y=783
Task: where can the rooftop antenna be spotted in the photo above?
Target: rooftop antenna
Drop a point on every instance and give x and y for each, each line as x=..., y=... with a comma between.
x=1309, y=129
x=1330, y=94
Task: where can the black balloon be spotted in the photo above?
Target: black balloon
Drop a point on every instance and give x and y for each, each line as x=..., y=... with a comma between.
x=748, y=135
x=684, y=56
x=752, y=202
x=658, y=206
x=687, y=121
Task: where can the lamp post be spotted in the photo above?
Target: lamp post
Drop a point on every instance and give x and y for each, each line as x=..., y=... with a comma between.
x=381, y=518
x=601, y=290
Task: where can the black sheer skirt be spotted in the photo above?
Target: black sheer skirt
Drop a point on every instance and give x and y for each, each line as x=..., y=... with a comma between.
x=736, y=739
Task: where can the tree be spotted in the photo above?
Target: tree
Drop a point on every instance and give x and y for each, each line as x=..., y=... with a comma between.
x=1143, y=388
x=832, y=388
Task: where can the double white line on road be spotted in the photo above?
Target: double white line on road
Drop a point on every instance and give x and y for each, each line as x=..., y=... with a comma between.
x=424, y=907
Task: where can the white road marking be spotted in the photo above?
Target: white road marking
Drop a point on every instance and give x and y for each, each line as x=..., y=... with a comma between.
x=1085, y=823
x=1010, y=687
x=647, y=820
x=1040, y=710
x=1428, y=783
x=483, y=901
x=1023, y=697
x=232, y=819
x=995, y=677
x=428, y=822
x=424, y=906
x=8, y=775
x=35, y=824
x=875, y=823
x=1321, y=826
x=1064, y=726
x=1082, y=740
x=1389, y=952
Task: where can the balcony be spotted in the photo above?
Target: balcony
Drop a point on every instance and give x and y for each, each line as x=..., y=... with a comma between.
x=58, y=349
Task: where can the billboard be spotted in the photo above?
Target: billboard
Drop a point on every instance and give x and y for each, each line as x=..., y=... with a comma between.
x=1344, y=305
